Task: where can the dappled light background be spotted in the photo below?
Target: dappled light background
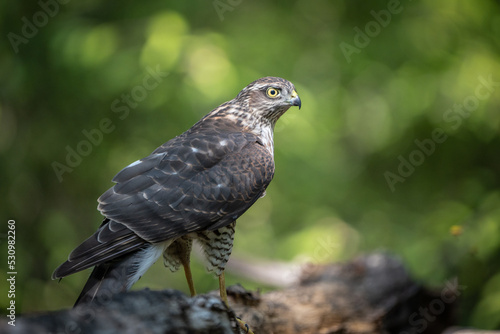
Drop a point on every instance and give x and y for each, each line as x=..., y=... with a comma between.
x=396, y=146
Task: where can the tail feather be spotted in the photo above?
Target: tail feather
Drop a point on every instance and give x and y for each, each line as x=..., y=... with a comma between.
x=118, y=275
x=94, y=284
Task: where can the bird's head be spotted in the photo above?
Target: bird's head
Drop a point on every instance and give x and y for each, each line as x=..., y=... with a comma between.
x=270, y=97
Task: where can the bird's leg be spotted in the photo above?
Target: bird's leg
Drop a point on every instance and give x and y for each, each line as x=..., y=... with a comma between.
x=223, y=296
x=222, y=289
x=177, y=253
x=189, y=277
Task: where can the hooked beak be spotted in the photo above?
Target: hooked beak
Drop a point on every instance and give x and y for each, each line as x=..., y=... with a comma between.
x=295, y=99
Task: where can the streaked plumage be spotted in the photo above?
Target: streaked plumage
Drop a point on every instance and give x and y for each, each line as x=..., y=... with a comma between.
x=193, y=187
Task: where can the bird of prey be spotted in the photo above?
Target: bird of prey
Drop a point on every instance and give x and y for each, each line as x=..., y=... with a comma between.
x=192, y=188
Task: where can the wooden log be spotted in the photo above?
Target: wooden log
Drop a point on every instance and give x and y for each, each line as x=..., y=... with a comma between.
x=371, y=294
x=144, y=311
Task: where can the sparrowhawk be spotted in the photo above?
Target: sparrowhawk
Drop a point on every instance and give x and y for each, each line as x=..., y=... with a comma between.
x=192, y=188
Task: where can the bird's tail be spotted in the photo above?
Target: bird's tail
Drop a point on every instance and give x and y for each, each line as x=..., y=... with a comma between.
x=118, y=275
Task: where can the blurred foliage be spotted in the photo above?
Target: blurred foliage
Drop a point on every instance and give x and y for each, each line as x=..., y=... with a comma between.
x=330, y=200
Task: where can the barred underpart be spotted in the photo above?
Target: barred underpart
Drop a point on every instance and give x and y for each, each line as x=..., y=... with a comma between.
x=217, y=246
x=178, y=253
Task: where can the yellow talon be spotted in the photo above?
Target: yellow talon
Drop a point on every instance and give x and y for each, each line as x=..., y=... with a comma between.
x=244, y=326
x=223, y=296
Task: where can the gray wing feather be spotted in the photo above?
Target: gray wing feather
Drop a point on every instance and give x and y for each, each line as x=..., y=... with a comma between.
x=111, y=240
x=197, y=185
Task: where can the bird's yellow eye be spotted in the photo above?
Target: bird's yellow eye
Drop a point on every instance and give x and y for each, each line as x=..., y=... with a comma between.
x=273, y=92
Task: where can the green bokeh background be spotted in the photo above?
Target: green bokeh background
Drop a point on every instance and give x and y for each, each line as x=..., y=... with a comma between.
x=363, y=113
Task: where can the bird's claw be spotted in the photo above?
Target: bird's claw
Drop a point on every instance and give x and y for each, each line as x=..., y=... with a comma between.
x=243, y=325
